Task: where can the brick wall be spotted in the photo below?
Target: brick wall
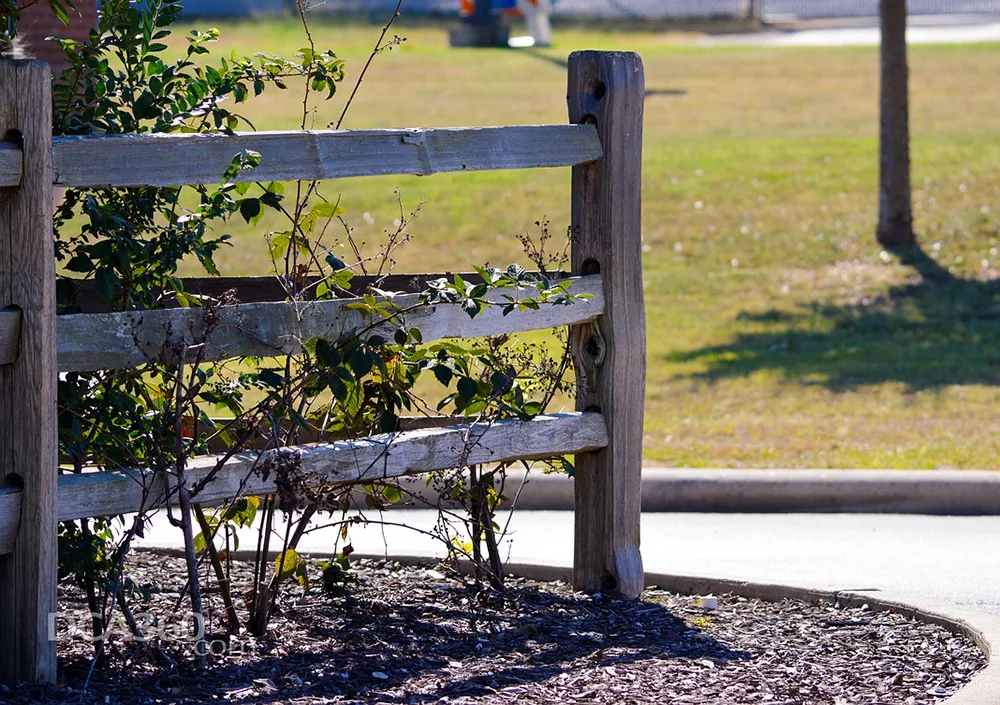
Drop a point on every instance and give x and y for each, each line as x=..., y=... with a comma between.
x=38, y=22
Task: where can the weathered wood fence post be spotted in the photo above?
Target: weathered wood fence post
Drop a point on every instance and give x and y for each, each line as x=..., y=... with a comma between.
x=608, y=90
x=28, y=452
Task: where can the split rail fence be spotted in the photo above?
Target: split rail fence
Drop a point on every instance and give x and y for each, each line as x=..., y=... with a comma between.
x=602, y=143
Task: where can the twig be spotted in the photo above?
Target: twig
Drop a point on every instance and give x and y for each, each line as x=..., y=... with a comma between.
x=232, y=619
x=375, y=51
x=184, y=499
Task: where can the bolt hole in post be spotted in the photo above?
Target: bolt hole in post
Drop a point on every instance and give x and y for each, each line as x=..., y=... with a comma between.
x=600, y=90
x=12, y=482
x=13, y=137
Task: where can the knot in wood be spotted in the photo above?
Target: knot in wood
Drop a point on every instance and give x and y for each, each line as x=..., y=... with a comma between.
x=595, y=347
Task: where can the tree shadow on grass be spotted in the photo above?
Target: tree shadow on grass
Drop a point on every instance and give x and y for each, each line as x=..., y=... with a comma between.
x=932, y=331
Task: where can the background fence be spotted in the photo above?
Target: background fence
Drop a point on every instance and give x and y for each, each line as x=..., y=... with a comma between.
x=639, y=9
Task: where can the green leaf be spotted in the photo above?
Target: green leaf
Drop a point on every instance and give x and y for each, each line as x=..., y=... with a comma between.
x=278, y=244
x=471, y=307
x=392, y=494
x=106, y=282
x=532, y=408
x=328, y=210
x=59, y=11
x=342, y=278
x=286, y=564
x=250, y=209
x=317, y=212
x=500, y=382
x=243, y=512
x=361, y=362
x=443, y=374
x=467, y=388
x=271, y=200
x=475, y=407
x=185, y=300
x=388, y=422
x=338, y=389
x=301, y=575
x=327, y=354
x=270, y=378
x=80, y=263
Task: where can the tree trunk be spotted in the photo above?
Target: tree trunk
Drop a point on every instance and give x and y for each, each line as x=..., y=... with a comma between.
x=895, y=217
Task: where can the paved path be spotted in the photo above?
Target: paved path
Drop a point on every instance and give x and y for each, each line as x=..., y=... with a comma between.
x=952, y=560
x=921, y=30
x=869, y=8
x=770, y=10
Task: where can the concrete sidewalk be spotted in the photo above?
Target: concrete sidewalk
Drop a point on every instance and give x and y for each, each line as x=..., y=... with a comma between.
x=942, y=29
x=949, y=560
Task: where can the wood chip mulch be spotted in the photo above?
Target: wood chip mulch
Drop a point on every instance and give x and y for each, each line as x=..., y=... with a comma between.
x=420, y=635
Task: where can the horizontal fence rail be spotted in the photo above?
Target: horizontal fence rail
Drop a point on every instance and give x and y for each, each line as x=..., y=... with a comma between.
x=180, y=159
x=96, y=341
x=361, y=460
x=249, y=290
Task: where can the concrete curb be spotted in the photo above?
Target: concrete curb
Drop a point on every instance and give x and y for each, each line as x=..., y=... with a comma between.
x=949, y=492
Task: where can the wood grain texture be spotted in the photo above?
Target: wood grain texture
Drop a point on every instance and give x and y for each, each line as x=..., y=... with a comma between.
x=310, y=434
x=28, y=385
x=117, y=340
x=10, y=335
x=10, y=164
x=606, y=89
x=174, y=160
x=10, y=518
x=363, y=460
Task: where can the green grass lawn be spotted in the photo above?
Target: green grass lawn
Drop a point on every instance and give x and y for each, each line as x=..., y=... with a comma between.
x=779, y=334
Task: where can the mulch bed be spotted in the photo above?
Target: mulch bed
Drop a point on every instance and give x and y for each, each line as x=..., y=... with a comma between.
x=418, y=634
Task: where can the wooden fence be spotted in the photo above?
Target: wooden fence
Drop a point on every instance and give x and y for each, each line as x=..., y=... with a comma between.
x=603, y=145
